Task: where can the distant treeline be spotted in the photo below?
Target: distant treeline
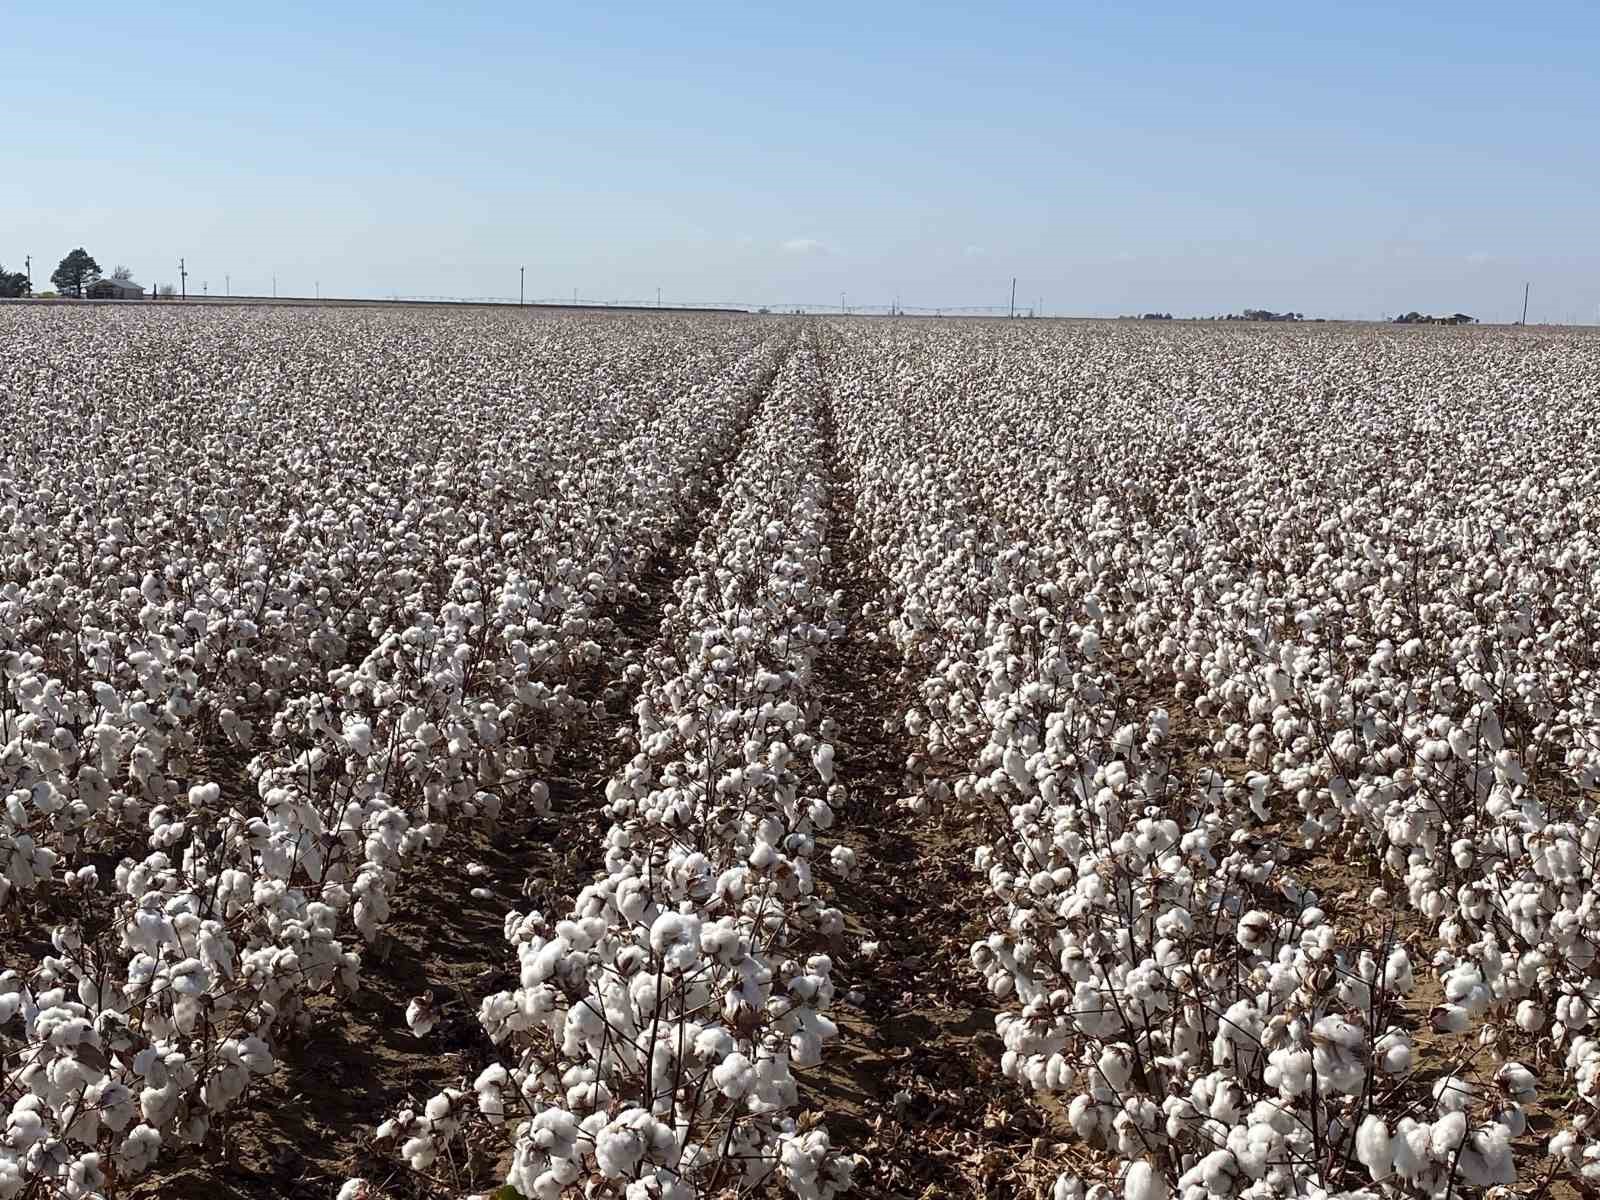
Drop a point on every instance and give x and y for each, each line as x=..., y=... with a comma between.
x=1416, y=318
x=1249, y=314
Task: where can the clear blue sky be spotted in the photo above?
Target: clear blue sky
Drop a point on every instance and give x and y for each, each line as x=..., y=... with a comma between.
x=1343, y=159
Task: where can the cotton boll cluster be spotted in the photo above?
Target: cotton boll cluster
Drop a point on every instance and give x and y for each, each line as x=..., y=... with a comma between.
x=287, y=600
x=1385, y=650
x=659, y=1024
x=267, y=634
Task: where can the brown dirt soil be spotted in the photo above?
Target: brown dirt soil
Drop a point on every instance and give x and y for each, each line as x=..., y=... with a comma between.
x=913, y=1082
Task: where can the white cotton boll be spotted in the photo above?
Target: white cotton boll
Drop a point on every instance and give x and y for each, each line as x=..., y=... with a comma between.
x=139, y=1150
x=1394, y=1053
x=1518, y=1082
x=1373, y=1148
x=1514, y=1117
x=1449, y=1131
x=255, y=1054
x=1143, y=1183
x=190, y=977
x=1397, y=973
x=422, y=1015
x=1564, y=1148
x=676, y=938
x=1454, y=1094
x=355, y=1189
x=1254, y=930
x=618, y=1147
x=419, y=1152
x=1116, y=1067
x=822, y=760
x=714, y=1044
x=1530, y=1016
x=1486, y=1158
x=734, y=1076
x=358, y=737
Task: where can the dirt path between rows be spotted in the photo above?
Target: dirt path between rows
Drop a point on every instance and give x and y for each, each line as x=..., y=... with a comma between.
x=913, y=1082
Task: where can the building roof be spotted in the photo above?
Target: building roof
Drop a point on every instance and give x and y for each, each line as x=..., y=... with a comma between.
x=122, y=284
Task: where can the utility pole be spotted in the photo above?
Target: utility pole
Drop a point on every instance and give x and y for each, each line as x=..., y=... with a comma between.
x=658, y=297
x=319, y=289
x=27, y=265
x=842, y=308
x=183, y=279
x=1013, y=311
x=227, y=284
x=522, y=279
x=1525, y=303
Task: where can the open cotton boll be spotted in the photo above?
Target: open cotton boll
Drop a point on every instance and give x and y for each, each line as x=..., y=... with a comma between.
x=822, y=760
x=1373, y=1148
x=675, y=937
x=1142, y=1182
x=419, y=1152
x=734, y=1076
x=422, y=1015
x=1517, y=1082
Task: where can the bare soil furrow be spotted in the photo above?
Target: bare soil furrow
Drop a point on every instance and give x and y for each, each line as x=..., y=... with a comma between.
x=914, y=1081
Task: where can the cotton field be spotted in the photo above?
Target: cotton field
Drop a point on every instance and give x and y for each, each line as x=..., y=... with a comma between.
x=652, y=756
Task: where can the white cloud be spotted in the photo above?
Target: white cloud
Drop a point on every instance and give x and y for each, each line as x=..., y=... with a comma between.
x=803, y=245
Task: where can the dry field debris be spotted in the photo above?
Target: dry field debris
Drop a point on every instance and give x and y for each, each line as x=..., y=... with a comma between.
x=510, y=754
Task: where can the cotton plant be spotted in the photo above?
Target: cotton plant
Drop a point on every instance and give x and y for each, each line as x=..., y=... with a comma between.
x=1380, y=665
x=266, y=685
x=658, y=1027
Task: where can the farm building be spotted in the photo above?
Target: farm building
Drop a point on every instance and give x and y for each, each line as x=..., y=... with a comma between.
x=115, y=289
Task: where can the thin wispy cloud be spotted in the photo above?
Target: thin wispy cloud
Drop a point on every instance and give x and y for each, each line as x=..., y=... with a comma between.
x=803, y=245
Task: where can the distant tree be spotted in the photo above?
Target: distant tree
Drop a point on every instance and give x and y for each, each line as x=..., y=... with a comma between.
x=121, y=272
x=166, y=291
x=76, y=272
x=13, y=284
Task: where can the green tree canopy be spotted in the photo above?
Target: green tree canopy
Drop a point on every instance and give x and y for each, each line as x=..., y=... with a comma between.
x=76, y=272
x=13, y=284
